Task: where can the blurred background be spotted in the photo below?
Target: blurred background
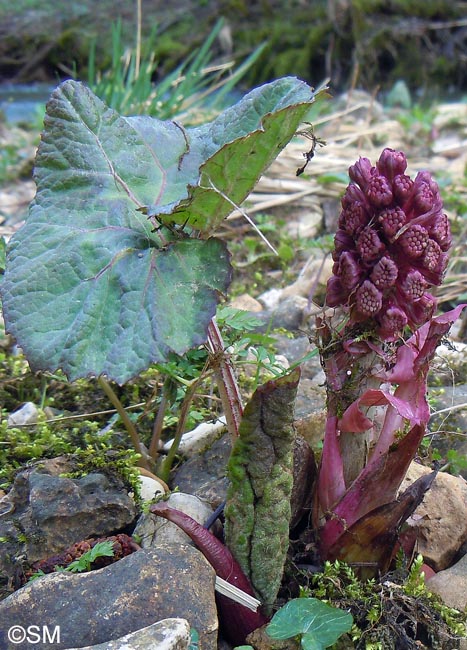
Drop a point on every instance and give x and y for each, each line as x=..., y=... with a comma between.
x=417, y=47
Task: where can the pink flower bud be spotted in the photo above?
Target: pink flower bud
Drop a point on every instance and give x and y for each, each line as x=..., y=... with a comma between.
x=391, y=163
x=392, y=220
x=440, y=231
x=384, y=273
x=368, y=299
x=431, y=255
x=414, y=240
x=361, y=172
x=402, y=187
x=393, y=321
x=413, y=285
x=354, y=218
x=379, y=191
x=369, y=245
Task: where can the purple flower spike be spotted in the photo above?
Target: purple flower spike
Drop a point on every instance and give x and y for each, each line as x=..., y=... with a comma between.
x=391, y=245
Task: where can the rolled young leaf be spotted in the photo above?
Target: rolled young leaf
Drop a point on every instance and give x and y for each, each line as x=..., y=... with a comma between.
x=258, y=510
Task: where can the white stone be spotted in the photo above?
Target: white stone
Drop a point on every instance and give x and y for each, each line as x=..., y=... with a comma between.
x=150, y=488
x=27, y=414
x=200, y=438
x=169, y=634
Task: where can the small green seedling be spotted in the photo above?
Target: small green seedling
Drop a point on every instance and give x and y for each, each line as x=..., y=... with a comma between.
x=83, y=563
x=318, y=624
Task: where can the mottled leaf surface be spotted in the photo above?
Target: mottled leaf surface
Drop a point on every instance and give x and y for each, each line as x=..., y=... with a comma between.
x=258, y=508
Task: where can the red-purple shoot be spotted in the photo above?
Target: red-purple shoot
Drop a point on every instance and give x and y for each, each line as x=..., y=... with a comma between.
x=390, y=249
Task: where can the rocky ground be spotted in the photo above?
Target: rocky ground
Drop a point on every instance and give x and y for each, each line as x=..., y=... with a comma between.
x=48, y=509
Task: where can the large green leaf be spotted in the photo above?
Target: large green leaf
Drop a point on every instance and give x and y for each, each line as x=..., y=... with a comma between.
x=91, y=286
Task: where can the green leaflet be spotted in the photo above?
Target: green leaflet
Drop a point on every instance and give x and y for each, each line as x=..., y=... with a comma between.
x=319, y=624
x=260, y=471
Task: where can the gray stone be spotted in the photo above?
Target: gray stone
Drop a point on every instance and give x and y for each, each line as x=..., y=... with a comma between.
x=152, y=530
x=296, y=349
x=170, y=634
x=451, y=585
x=204, y=474
x=48, y=513
x=142, y=588
x=288, y=314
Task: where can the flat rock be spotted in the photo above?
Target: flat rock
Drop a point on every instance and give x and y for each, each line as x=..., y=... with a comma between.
x=451, y=585
x=440, y=521
x=139, y=590
x=169, y=634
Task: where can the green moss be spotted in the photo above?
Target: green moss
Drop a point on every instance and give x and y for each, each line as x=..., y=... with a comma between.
x=376, y=606
x=120, y=463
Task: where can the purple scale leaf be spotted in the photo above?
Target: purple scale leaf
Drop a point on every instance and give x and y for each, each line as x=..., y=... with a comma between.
x=421, y=311
x=349, y=271
x=331, y=485
x=335, y=292
x=342, y=242
x=385, y=473
x=237, y=620
x=362, y=172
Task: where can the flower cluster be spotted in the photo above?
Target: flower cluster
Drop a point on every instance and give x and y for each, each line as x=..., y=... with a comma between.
x=390, y=247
